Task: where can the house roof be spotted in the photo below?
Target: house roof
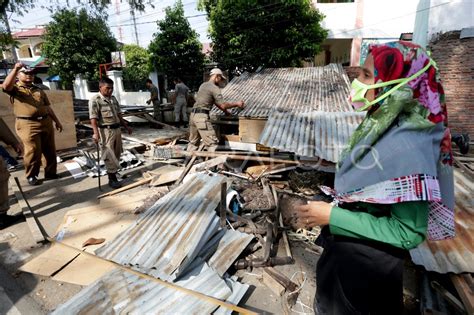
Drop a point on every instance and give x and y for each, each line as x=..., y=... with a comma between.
x=33, y=32
x=306, y=109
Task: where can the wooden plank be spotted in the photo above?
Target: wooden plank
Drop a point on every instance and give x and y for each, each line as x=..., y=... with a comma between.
x=272, y=283
x=251, y=129
x=465, y=291
x=125, y=188
x=239, y=157
x=61, y=102
x=36, y=229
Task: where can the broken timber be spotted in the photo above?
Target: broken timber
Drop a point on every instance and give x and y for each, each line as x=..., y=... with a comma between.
x=238, y=157
x=37, y=230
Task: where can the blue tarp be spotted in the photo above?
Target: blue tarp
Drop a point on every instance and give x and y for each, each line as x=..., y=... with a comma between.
x=53, y=78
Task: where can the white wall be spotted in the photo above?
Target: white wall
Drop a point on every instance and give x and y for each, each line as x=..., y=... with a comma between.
x=450, y=16
x=31, y=42
x=379, y=18
x=124, y=98
x=439, y=16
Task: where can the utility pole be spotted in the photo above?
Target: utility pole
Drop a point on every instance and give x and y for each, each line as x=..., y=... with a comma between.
x=117, y=11
x=134, y=20
x=9, y=32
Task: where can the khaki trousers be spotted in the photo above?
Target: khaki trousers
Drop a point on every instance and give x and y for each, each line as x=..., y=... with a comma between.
x=180, y=109
x=157, y=110
x=4, y=175
x=200, y=128
x=111, y=142
x=38, y=139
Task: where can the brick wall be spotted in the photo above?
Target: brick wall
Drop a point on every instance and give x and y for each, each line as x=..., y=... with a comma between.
x=456, y=66
x=352, y=72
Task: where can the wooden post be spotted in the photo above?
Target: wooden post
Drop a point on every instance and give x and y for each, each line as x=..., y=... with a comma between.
x=223, y=206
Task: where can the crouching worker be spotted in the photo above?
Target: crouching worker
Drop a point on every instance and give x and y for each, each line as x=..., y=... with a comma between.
x=106, y=119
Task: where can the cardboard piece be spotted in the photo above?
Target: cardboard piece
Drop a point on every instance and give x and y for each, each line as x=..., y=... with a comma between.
x=61, y=102
x=105, y=220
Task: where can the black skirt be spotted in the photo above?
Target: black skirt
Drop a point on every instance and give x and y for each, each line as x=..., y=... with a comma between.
x=358, y=277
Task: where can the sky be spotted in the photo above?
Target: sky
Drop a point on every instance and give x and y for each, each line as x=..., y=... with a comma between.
x=120, y=20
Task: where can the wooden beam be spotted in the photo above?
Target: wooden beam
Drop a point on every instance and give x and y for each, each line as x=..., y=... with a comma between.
x=124, y=188
x=239, y=157
x=38, y=232
x=464, y=286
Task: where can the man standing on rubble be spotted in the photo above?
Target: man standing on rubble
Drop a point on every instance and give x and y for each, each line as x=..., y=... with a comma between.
x=181, y=101
x=34, y=122
x=200, y=128
x=106, y=118
x=6, y=136
x=154, y=98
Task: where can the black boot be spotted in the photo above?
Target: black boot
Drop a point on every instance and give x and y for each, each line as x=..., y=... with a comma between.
x=113, y=182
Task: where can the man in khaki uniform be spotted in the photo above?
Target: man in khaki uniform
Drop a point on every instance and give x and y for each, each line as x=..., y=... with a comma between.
x=34, y=122
x=154, y=98
x=209, y=94
x=181, y=101
x=106, y=117
x=6, y=136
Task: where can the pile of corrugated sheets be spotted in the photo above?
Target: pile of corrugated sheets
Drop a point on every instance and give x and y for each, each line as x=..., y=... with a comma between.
x=177, y=239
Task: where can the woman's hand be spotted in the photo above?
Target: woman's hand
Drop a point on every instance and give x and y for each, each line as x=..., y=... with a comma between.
x=312, y=214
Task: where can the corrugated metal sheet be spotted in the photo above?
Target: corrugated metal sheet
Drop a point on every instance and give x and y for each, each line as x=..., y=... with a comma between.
x=120, y=292
x=169, y=235
x=306, y=108
x=457, y=254
x=310, y=133
x=229, y=248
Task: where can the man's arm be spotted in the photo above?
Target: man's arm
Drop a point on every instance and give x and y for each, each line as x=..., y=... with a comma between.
x=51, y=112
x=124, y=123
x=95, y=129
x=227, y=105
x=11, y=77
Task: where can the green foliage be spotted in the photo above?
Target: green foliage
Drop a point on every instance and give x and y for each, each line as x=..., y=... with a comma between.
x=247, y=34
x=76, y=43
x=138, y=67
x=175, y=48
x=20, y=6
x=6, y=40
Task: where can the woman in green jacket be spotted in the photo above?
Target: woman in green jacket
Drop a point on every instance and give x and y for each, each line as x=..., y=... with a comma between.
x=393, y=186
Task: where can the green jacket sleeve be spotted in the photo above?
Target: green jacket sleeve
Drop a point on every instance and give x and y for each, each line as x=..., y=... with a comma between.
x=405, y=228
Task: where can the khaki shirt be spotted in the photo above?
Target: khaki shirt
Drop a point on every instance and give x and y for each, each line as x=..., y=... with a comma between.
x=104, y=110
x=181, y=91
x=208, y=95
x=28, y=101
x=155, y=97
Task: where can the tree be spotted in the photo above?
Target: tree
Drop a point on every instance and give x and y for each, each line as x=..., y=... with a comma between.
x=76, y=43
x=22, y=6
x=247, y=34
x=138, y=64
x=175, y=48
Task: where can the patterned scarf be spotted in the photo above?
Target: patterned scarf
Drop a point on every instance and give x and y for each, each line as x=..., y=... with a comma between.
x=402, y=149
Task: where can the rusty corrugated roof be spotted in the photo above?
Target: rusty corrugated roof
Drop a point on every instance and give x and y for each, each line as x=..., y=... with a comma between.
x=169, y=235
x=306, y=108
x=120, y=292
x=457, y=254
